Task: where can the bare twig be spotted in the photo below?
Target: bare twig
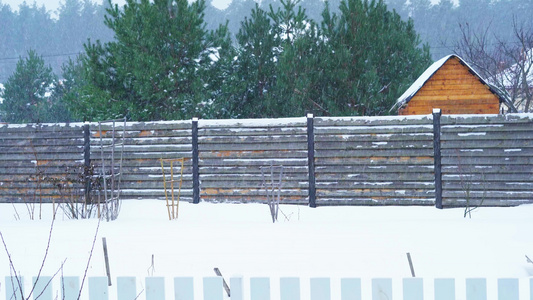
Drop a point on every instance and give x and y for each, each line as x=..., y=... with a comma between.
x=89, y=260
x=12, y=267
x=45, y=255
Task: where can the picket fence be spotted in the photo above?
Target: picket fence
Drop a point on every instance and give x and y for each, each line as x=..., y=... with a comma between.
x=215, y=288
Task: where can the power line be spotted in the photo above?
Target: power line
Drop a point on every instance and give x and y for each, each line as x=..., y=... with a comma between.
x=44, y=56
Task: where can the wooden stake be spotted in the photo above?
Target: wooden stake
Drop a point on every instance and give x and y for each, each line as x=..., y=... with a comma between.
x=411, y=264
x=106, y=258
x=226, y=287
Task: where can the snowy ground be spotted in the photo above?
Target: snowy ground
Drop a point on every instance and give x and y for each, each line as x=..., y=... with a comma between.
x=241, y=240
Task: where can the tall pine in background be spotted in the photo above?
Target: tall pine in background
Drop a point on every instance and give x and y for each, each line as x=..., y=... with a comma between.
x=160, y=66
x=369, y=57
x=28, y=94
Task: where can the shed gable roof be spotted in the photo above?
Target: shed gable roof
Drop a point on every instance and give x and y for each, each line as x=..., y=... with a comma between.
x=434, y=68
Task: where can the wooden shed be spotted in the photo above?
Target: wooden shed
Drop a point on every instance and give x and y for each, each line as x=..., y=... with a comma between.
x=453, y=86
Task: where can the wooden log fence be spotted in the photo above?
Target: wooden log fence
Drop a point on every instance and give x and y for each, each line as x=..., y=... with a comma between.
x=451, y=160
x=261, y=288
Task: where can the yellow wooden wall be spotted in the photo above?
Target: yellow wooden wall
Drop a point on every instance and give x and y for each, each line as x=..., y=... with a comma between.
x=454, y=90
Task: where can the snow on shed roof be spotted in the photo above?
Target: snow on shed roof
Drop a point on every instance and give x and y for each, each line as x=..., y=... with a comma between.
x=419, y=83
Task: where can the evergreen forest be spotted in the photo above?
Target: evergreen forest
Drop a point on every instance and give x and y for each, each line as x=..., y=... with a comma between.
x=161, y=60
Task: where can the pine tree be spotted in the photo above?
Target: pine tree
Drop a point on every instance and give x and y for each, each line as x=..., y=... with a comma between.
x=254, y=73
x=27, y=93
x=370, y=56
x=161, y=65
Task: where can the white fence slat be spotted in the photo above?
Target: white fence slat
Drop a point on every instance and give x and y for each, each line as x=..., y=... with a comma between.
x=236, y=288
x=98, y=288
x=289, y=288
x=351, y=289
x=381, y=289
x=42, y=288
x=259, y=288
x=13, y=291
x=126, y=288
x=413, y=289
x=508, y=289
x=213, y=289
x=320, y=289
x=476, y=289
x=70, y=287
x=183, y=288
x=155, y=288
x=444, y=289
x=531, y=289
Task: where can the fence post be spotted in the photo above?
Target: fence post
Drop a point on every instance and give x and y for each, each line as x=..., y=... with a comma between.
x=437, y=157
x=195, y=166
x=311, y=159
x=87, y=161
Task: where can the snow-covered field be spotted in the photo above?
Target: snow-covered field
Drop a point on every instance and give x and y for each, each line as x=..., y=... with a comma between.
x=241, y=240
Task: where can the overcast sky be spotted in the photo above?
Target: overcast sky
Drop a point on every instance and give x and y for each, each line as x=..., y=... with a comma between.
x=53, y=5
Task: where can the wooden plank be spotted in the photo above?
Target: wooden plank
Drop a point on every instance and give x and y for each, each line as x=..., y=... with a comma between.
x=246, y=184
x=207, y=191
x=320, y=289
x=256, y=146
x=370, y=168
x=508, y=145
x=375, y=160
x=14, y=287
x=345, y=146
x=476, y=289
x=126, y=288
x=236, y=286
x=253, y=162
x=70, y=287
x=301, y=200
x=377, y=176
x=370, y=138
x=251, y=123
x=503, y=195
x=413, y=289
x=98, y=288
x=212, y=287
x=481, y=161
x=261, y=154
x=397, y=121
x=373, y=130
x=351, y=289
x=489, y=136
x=444, y=289
x=488, y=119
x=297, y=171
x=453, y=109
x=508, y=289
x=157, y=125
x=381, y=288
x=373, y=201
x=490, y=185
x=259, y=288
x=351, y=152
x=251, y=177
x=379, y=193
x=488, y=153
x=289, y=288
x=252, y=139
x=183, y=288
x=465, y=101
x=464, y=81
x=252, y=131
x=377, y=185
